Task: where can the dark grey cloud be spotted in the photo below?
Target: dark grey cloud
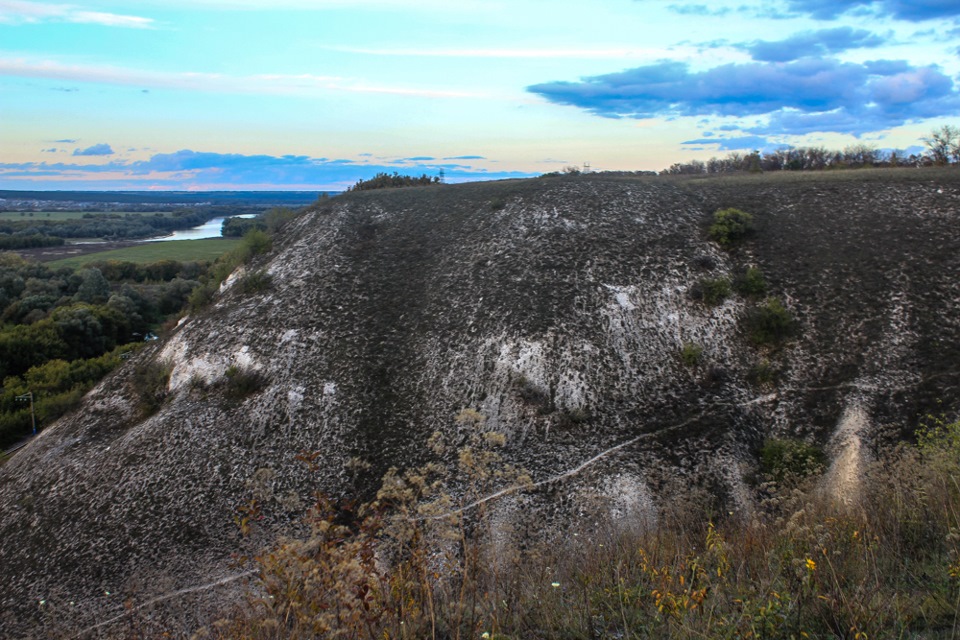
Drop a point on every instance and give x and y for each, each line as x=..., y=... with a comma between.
x=813, y=43
x=101, y=149
x=66, y=141
x=797, y=97
x=912, y=10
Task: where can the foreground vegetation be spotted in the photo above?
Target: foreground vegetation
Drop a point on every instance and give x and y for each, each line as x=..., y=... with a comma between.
x=419, y=563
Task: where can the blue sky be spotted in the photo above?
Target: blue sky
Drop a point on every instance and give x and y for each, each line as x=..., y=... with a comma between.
x=298, y=94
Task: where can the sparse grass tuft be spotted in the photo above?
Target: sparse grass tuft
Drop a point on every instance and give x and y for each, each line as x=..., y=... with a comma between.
x=691, y=354
x=150, y=385
x=763, y=373
x=573, y=417
x=532, y=394
x=240, y=383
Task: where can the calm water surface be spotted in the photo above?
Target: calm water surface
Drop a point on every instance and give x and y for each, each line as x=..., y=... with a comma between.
x=210, y=229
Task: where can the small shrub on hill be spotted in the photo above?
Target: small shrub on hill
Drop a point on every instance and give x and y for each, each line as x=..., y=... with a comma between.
x=730, y=226
x=789, y=459
x=750, y=283
x=770, y=323
x=277, y=217
x=705, y=262
x=256, y=242
x=255, y=282
x=711, y=291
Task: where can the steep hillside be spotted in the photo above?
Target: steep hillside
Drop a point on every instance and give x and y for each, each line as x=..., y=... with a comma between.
x=561, y=309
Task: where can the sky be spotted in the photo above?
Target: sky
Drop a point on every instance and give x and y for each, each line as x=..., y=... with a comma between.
x=316, y=94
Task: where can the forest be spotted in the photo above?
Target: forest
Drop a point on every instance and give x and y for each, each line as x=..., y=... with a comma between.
x=64, y=329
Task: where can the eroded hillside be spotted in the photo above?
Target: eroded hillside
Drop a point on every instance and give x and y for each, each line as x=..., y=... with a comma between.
x=561, y=309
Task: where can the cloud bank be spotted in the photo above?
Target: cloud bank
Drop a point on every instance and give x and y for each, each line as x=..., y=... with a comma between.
x=187, y=168
x=813, y=44
x=912, y=10
x=796, y=97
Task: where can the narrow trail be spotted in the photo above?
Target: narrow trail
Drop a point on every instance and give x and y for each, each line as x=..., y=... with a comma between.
x=561, y=476
x=162, y=598
x=770, y=397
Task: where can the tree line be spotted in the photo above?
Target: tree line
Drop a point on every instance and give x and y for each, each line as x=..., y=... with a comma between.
x=394, y=181
x=943, y=148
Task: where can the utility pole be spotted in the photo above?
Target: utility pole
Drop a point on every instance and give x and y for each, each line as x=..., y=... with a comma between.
x=28, y=396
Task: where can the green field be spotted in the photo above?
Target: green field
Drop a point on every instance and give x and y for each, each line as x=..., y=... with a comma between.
x=60, y=216
x=180, y=250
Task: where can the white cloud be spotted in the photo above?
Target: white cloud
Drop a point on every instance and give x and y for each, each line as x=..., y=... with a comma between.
x=27, y=12
x=614, y=53
x=433, y=6
x=270, y=84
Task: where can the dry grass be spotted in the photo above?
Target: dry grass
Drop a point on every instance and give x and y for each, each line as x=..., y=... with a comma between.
x=805, y=566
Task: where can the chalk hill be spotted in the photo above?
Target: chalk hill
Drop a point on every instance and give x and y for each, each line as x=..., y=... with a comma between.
x=563, y=309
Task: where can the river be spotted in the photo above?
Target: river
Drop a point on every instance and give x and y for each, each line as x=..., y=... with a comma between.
x=209, y=229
